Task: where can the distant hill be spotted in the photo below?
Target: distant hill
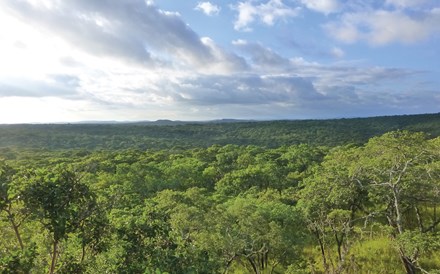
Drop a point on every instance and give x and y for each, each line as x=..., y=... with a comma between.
x=182, y=134
x=163, y=122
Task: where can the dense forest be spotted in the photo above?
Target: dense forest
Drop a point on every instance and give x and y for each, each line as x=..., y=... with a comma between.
x=331, y=196
x=168, y=134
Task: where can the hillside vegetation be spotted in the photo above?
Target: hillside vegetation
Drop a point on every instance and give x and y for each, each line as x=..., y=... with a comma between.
x=247, y=197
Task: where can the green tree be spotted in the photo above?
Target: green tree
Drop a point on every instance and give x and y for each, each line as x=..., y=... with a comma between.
x=329, y=200
x=257, y=232
x=400, y=171
x=15, y=257
x=61, y=202
x=392, y=181
x=8, y=199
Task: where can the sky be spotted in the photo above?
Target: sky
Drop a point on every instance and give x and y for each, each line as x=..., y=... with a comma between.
x=132, y=60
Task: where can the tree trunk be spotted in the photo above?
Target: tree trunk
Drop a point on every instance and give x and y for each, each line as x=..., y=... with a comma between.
x=397, y=209
x=254, y=266
x=83, y=253
x=419, y=219
x=410, y=268
x=15, y=227
x=339, y=245
x=266, y=258
x=321, y=245
x=54, y=257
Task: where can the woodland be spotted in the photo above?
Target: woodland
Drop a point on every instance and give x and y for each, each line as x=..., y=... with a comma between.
x=313, y=196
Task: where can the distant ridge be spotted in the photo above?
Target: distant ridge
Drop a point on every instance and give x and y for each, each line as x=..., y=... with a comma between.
x=160, y=122
x=164, y=134
x=168, y=122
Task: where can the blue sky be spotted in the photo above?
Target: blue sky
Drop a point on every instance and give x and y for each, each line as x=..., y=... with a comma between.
x=66, y=61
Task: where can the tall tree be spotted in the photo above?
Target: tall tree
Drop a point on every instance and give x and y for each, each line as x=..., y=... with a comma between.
x=60, y=201
x=256, y=231
x=329, y=200
x=400, y=171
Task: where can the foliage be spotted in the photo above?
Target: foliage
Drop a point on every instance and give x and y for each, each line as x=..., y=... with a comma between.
x=256, y=208
x=18, y=261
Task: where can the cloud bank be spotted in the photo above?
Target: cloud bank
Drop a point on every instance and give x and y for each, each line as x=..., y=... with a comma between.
x=131, y=58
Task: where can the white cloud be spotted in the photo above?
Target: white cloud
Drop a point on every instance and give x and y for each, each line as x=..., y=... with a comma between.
x=267, y=13
x=134, y=32
x=323, y=6
x=129, y=60
x=208, y=8
x=246, y=14
x=383, y=27
x=117, y=29
x=126, y=58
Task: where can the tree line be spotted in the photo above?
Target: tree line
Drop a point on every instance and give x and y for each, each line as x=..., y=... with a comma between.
x=186, y=135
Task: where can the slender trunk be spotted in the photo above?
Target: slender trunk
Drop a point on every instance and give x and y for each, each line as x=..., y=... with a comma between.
x=419, y=219
x=397, y=209
x=266, y=258
x=83, y=253
x=321, y=245
x=410, y=268
x=408, y=264
x=339, y=245
x=15, y=227
x=341, y=255
x=54, y=257
x=254, y=267
x=17, y=234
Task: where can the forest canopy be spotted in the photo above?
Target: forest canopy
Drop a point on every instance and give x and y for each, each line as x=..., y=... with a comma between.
x=245, y=197
x=169, y=134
